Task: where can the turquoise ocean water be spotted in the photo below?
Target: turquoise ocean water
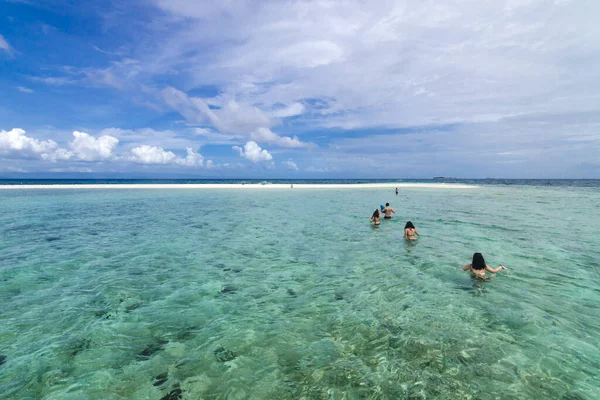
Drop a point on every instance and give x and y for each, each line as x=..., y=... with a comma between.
x=290, y=294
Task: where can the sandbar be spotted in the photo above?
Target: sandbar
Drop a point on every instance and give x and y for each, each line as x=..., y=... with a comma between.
x=246, y=186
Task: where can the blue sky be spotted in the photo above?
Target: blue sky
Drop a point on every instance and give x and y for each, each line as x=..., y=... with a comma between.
x=390, y=89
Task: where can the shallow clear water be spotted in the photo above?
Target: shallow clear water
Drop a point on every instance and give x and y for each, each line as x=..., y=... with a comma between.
x=288, y=294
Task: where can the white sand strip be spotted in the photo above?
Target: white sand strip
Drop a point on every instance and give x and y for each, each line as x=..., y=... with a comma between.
x=248, y=186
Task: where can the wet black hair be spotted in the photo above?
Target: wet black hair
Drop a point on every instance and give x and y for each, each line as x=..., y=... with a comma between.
x=376, y=213
x=409, y=225
x=387, y=204
x=478, y=261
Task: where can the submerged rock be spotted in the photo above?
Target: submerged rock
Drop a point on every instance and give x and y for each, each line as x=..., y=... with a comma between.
x=160, y=379
x=52, y=238
x=79, y=345
x=291, y=292
x=339, y=296
x=228, y=289
x=186, y=333
x=224, y=355
x=572, y=396
x=2, y=359
x=174, y=394
x=151, y=349
x=132, y=307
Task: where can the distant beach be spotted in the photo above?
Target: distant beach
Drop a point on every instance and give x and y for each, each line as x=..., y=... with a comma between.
x=245, y=186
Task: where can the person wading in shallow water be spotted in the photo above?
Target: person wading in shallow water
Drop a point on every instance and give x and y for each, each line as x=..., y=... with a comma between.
x=396, y=191
x=478, y=267
x=388, y=211
x=376, y=217
x=410, y=231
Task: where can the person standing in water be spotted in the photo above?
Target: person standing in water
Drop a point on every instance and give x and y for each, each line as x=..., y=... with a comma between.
x=376, y=217
x=410, y=231
x=396, y=191
x=388, y=211
x=478, y=267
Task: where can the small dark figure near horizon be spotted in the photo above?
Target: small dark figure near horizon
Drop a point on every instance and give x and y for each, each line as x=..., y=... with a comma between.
x=396, y=191
x=478, y=267
x=410, y=231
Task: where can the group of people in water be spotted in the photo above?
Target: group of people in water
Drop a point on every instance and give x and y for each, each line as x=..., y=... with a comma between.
x=477, y=266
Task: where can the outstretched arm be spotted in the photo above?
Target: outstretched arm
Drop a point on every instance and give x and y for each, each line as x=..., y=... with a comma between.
x=494, y=270
x=466, y=267
x=404, y=236
x=417, y=233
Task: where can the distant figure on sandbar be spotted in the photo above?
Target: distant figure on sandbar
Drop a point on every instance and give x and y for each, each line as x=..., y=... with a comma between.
x=396, y=191
x=376, y=217
x=478, y=267
x=410, y=231
x=388, y=211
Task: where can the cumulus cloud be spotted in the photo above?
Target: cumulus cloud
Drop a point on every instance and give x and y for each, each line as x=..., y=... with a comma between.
x=193, y=159
x=157, y=155
x=253, y=152
x=151, y=155
x=290, y=165
x=16, y=143
x=89, y=148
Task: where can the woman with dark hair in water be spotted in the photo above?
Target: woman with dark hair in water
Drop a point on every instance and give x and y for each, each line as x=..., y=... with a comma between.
x=376, y=217
x=478, y=267
x=410, y=231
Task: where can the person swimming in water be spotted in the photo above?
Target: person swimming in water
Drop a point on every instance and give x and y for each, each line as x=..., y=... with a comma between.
x=376, y=217
x=410, y=231
x=478, y=267
x=388, y=211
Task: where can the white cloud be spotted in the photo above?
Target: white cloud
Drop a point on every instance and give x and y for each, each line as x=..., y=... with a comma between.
x=157, y=155
x=71, y=169
x=253, y=152
x=4, y=45
x=23, y=89
x=267, y=136
x=392, y=64
x=58, y=154
x=15, y=142
x=290, y=111
x=151, y=155
x=203, y=131
x=310, y=54
x=321, y=170
x=89, y=148
x=192, y=159
x=285, y=68
x=231, y=116
x=172, y=139
x=290, y=165
x=54, y=80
